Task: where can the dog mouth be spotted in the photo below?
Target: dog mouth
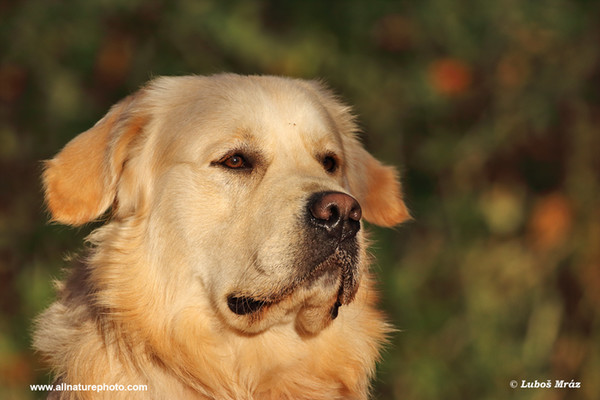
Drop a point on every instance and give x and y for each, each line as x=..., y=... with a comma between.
x=244, y=305
x=341, y=268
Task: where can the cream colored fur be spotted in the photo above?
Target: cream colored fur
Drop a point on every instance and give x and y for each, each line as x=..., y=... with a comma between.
x=145, y=305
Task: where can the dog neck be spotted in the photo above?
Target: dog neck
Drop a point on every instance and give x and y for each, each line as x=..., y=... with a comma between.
x=114, y=324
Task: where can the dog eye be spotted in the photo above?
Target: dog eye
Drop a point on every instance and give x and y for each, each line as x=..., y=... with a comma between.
x=235, y=161
x=330, y=164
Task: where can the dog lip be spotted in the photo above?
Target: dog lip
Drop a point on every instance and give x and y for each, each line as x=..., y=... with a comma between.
x=335, y=309
x=243, y=305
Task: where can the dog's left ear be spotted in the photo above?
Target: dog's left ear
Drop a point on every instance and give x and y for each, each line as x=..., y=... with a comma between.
x=375, y=186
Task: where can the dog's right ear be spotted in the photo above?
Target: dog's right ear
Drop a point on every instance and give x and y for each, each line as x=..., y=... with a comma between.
x=376, y=186
x=80, y=182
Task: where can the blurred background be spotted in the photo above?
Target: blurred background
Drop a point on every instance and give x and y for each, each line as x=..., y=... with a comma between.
x=490, y=109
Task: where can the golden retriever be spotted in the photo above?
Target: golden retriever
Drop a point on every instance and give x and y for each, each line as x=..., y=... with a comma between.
x=232, y=264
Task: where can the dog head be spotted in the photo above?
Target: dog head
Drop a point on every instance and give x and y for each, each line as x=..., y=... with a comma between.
x=252, y=190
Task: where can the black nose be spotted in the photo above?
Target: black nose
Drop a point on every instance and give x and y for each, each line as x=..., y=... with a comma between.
x=336, y=213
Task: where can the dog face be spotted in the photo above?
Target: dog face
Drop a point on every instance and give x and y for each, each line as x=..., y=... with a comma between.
x=251, y=192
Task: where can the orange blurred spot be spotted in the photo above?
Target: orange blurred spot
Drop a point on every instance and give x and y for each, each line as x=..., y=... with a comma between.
x=569, y=353
x=114, y=60
x=590, y=281
x=551, y=221
x=393, y=33
x=450, y=76
x=16, y=370
x=513, y=70
x=12, y=82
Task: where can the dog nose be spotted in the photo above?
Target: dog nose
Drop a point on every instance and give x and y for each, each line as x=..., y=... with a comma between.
x=337, y=213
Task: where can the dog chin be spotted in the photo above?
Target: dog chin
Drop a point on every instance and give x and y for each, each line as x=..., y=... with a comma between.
x=320, y=307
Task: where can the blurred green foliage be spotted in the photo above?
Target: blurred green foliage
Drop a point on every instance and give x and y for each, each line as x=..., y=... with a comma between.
x=489, y=108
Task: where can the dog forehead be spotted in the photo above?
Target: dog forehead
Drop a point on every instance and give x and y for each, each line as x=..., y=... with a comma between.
x=275, y=114
x=278, y=103
x=284, y=120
